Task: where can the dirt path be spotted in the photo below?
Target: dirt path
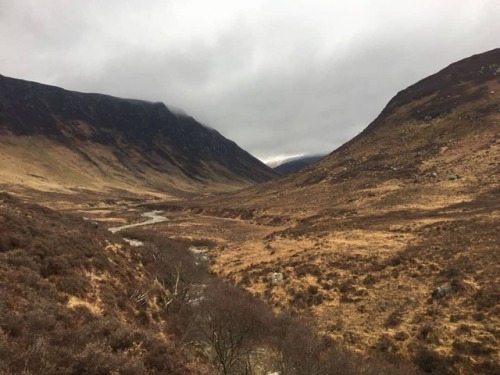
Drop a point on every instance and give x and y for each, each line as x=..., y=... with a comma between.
x=153, y=219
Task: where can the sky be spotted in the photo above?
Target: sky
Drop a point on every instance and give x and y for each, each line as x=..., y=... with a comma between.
x=278, y=77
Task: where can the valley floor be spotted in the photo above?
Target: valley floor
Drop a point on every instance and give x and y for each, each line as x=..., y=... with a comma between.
x=420, y=283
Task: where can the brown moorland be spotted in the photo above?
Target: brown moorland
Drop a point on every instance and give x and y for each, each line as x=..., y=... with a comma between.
x=389, y=244
x=77, y=299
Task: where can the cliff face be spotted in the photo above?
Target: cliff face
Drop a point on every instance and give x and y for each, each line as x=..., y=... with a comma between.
x=140, y=135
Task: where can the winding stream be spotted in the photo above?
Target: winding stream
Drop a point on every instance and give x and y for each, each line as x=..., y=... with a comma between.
x=153, y=219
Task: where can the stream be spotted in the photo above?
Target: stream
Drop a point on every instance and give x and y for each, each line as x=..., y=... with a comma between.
x=153, y=219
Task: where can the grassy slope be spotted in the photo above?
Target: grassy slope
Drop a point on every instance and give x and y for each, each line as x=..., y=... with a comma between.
x=71, y=300
x=365, y=236
x=78, y=300
x=37, y=163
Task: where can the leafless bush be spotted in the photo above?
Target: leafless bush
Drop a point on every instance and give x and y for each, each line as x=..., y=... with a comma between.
x=231, y=323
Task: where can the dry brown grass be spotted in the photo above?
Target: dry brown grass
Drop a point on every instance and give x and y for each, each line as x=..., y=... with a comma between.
x=366, y=236
x=364, y=239
x=70, y=300
x=368, y=278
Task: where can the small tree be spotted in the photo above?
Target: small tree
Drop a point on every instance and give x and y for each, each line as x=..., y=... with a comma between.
x=230, y=322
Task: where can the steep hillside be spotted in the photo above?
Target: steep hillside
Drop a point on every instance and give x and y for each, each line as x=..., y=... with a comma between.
x=447, y=124
x=51, y=138
x=390, y=242
x=78, y=300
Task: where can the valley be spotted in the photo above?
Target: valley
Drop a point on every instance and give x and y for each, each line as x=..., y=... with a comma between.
x=387, y=247
x=367, y=277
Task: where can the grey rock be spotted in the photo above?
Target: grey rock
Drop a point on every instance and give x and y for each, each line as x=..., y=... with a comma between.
x=443, y=291
x=276, y=278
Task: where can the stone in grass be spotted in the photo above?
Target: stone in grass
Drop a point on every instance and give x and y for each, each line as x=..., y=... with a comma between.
x=443, y=291
x=276, y=278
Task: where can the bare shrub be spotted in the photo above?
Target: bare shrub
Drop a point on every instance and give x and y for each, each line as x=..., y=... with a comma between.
x=431, y=362
x=231, y=323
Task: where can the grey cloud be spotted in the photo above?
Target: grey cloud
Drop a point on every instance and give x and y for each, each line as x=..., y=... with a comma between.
x=275, y=81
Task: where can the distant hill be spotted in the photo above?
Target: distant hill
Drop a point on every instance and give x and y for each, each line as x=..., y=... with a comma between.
x=294, y=164
x=54, y=138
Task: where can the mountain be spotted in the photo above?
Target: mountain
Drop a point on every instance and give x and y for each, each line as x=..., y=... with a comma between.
x=294, y=164
x=444, y=125
x=390, y=242
x=53, y=138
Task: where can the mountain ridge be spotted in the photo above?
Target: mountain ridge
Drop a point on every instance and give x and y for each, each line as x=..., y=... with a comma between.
x=141, y=136
x=443, y=85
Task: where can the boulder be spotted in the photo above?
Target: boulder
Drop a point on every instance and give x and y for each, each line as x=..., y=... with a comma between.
x=443, y=291
x=276, y=278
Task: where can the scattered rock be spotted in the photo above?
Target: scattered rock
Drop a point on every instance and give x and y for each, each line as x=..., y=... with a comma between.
x=276, y=278
x=132, y=242
x=443, y=291
x=200, y=254
x=453, y=177
x=195, y=294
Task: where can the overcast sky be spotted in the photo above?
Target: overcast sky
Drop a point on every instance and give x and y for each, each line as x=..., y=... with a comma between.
x=279, y=77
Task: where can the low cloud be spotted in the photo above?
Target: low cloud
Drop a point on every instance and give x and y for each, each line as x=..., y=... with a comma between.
x=277, y=79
